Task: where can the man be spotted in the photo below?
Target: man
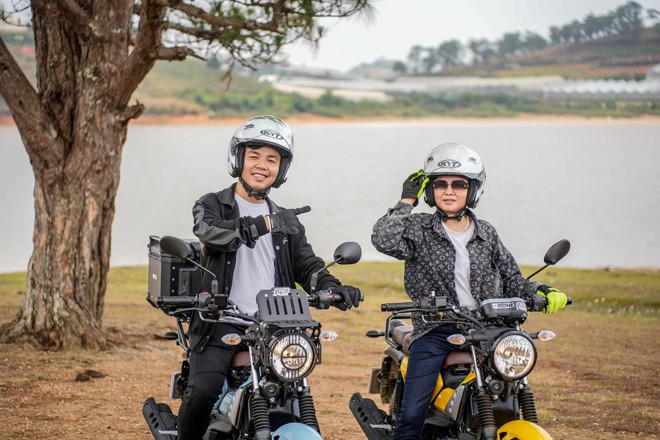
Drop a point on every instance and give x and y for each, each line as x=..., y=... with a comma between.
x=251, y=244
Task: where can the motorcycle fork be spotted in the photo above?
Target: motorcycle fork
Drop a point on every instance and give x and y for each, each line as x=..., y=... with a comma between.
x=484, y=402
x=527, y=404
x=307, y=408
x=258, y=405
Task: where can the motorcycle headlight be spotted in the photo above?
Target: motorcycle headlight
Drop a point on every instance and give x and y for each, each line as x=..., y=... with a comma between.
x=514, y=356
x=292, y=356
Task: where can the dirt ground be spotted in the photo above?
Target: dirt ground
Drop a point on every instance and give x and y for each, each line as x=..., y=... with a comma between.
x=598, y=379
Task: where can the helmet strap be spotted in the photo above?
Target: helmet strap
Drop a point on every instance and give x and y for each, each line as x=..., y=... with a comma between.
x=257, y=195
x=459, y=215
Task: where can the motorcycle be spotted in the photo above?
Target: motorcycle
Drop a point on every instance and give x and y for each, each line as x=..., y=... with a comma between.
x=266, y=395
x=482, y=393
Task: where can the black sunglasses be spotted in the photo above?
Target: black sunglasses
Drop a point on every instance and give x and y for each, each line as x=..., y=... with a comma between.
x=456, y=185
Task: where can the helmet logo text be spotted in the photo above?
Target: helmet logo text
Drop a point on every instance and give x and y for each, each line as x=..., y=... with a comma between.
x=271, y=133
x=448, y=163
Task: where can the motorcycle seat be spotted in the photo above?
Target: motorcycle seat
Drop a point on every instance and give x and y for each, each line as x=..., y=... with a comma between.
x=240, y=359
x=457, y=358
x=399, y=335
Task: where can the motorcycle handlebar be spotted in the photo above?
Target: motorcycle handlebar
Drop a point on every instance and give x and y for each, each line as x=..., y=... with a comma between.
x=536, y=304
x=323, y=299
x=395, y=307
x=177, y=301
x=202, y=300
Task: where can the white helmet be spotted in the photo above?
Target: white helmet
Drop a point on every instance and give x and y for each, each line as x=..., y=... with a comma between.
x=455, y=160
x=259, y=131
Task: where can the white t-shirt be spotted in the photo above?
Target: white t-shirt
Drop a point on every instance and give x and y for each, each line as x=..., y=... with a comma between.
x=462, y=266
x=255, y=268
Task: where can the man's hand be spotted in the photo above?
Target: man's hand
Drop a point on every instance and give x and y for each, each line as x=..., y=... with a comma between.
x=351, y=295
x=285, y=221
x=413, y=186
x=555, y=298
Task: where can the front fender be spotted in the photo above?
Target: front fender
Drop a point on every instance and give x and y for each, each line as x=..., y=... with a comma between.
x=522, y=430
x=296, y=431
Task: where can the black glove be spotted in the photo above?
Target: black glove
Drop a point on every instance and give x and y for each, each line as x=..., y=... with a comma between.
x=285, y=221
x=351, y=295
x=413, y=186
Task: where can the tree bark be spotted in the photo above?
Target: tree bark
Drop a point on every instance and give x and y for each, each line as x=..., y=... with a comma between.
x=73, y=128
x=66, y=283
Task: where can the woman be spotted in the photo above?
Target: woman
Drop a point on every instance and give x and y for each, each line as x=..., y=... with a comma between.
x=450, y=253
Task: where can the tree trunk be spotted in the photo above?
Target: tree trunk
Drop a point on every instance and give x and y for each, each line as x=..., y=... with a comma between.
x=73, y=128
x=66, y=283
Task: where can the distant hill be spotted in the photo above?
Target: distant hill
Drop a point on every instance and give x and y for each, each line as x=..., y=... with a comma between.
x=190, y=87
x=193, y=87
x=615, y=57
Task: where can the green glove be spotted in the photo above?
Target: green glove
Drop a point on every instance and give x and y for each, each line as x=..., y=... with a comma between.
x=413, y=186
x=556, y=299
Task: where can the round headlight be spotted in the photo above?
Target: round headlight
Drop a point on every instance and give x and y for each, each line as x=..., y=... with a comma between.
x=292, y=356
x=514, y=356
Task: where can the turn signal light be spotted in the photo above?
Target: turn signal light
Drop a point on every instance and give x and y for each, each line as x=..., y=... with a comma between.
x=546, y=335
x=231, y=339
x=328, y=335
x=457, y=339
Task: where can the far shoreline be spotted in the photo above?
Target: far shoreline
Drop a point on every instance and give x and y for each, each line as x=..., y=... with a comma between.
x=318, y=119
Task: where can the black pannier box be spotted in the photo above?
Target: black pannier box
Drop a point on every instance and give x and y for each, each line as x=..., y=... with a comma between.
x=171, y=276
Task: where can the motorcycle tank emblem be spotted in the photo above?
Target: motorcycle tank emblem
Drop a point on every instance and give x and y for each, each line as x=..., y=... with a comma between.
x=448, y=163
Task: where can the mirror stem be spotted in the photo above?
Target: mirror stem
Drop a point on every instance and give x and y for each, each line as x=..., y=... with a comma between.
x=315, y=276
x=537, y=271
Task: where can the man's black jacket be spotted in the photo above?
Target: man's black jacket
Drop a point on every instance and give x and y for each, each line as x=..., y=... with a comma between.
x=221, y=231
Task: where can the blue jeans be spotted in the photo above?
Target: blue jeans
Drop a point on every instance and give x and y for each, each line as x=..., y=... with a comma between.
x=425, y=361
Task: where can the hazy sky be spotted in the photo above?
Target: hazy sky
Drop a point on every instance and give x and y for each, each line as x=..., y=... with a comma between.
x=401, y=24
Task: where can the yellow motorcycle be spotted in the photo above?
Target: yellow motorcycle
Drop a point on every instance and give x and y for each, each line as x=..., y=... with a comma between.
x=482, y=392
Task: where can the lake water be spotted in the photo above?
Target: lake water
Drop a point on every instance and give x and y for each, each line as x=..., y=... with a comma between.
x=595, y=183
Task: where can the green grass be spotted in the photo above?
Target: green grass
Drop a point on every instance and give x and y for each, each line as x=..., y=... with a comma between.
x=592, y=290
x=609, y=291
x=621, y=292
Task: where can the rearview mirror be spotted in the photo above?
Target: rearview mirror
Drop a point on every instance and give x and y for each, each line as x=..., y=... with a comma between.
x=175, y=247
x=348, y=253
x=557, y=251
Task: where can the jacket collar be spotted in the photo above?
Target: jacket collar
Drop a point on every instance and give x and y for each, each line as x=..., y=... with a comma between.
x=227, y=198
x=435, y=222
